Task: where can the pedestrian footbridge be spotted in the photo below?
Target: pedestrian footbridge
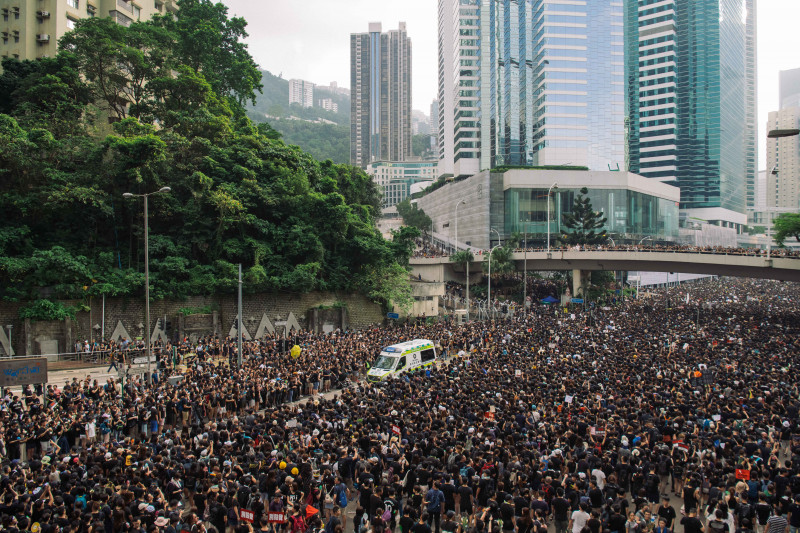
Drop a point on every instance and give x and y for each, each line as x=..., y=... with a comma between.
x=712, y=263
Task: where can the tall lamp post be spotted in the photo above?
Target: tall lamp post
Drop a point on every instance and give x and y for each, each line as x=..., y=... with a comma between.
x=615, y=272
x=550, y=190
x=639, y=276
x=462, y=202
x=776, y=134
x=148, y=347
x=489, y=289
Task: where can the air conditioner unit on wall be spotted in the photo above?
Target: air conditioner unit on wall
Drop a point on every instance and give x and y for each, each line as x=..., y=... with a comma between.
x=43, y=38
x=43, y=14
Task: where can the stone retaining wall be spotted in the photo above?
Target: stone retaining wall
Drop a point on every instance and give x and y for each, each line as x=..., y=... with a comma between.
x=360, y=313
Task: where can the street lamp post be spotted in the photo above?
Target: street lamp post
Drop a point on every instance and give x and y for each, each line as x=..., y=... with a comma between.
x=457, y=206
x=774, y=172
x=553, y=186
x=148, y=347
x=525, y=272
x=639, y=273
x=615, y=272
x=776, y=134
x=489, y=289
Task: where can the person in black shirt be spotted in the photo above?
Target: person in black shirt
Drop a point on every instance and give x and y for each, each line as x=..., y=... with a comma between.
x=507, y=514
x=616, y=521
x=561, y=509
x=690, y=522
x=666, y=511
x=422, y=525
x=406, y=522
x=449, y=525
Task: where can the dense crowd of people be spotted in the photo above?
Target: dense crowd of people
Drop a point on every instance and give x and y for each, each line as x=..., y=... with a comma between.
x=563, y=419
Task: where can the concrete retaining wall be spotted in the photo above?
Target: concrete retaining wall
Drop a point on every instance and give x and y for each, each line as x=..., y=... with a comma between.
x=40, y=337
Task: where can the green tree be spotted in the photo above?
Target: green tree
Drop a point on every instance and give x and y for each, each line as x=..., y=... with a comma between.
x=786, y=225
x=239, y=193
x=388, y=285
x=502, y=261
x=414, y=216
x=583, y=225
x=212, y=44
x=96, y=44
x=404, y=243
x=47, y=93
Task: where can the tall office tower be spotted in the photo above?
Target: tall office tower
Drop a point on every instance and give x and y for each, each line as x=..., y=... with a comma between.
x=301, y=92
x=435, y=127
x=446, y=71
x=690, y=68
x=534, y=82
x=789, y=88
x=31, y=29
x=380, y=95
x=783, y=162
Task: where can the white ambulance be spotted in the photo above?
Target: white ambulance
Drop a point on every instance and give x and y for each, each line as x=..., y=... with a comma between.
x=403, y=357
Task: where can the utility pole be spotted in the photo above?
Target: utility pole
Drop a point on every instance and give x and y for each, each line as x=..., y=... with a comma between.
x=239, y=320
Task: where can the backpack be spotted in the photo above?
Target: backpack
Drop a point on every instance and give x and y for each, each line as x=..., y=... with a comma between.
x=663, y=467
x=342, y=496
x=298, y=524
x=252, y=499
x=387, y=515
x=745, y=511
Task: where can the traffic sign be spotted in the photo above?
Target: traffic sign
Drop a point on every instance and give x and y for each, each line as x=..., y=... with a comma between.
x=394, y=316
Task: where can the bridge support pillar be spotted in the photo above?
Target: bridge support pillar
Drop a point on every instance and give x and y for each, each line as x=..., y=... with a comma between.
x=580, y=282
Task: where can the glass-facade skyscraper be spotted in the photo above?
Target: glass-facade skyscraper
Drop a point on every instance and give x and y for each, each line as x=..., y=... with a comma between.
x=690, y=69
x=532, y=82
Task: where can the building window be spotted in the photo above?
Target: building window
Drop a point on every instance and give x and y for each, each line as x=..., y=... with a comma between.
x=16, y=36
x=91, y=10
x=137, y=12
x=71, y=23
x=5, y=14
x=74, y=4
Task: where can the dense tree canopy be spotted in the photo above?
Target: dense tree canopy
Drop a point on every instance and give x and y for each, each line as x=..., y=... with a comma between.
x=239, y=193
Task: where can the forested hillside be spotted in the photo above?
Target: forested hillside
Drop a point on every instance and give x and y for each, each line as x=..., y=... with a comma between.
x=238, y=193
x=322, y=141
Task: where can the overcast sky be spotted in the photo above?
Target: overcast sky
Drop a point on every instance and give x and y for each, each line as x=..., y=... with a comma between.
x=310, y=39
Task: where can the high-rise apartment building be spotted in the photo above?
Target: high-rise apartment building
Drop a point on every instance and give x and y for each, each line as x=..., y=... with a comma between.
x=531, y=82
x=435, y=128
x=783, y=162
x=690, y=68
x=380, y=95
x=30, y=29
x=446, y=72
x=301, y=92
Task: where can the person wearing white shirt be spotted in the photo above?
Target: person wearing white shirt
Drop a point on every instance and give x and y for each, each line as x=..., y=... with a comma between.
x=91, y=432
x=578, y=519
x=600, y=476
